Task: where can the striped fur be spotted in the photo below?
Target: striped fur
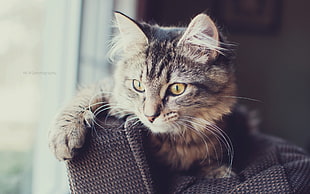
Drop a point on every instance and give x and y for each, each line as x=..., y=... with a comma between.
x=196, y=57
x=184, y=127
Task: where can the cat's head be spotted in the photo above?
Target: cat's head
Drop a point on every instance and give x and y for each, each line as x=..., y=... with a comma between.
x=171, y=77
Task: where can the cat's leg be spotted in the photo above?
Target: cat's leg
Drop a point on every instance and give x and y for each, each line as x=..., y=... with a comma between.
x=71, y=125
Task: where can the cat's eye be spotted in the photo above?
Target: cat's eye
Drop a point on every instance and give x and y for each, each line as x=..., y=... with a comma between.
x=177, y=89
x=138, y=86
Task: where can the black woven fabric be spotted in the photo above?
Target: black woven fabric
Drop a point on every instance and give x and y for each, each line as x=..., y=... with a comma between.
x=109, y=163
x=114, y=161
x=277, y=167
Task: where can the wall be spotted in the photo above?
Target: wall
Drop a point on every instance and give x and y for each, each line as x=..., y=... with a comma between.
x=272, y=68
x=276, y=70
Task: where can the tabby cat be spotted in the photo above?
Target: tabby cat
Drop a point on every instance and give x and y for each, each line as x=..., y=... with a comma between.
x=179, y=82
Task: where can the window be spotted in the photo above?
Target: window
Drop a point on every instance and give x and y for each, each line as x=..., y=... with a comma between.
x=76, y=40
x=21, y=24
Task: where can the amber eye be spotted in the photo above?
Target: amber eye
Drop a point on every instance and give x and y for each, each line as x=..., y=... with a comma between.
x=177, y=89
x=138, y=86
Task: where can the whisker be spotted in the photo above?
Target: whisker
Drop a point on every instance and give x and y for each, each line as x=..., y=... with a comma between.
x=96, y=113
x=138, y=120
x=243, y=98
x=95, y=104
x=100, y=110
x=216, y=136
x=218, y=130
x=120, y=111
x=105, y=105
x=224, y=138
x=97, y=94
x=133, y=117
x=228, y=144
x=201, y=135
x=95, y=131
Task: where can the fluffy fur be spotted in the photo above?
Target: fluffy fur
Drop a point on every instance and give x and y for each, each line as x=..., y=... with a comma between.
x=184, y=126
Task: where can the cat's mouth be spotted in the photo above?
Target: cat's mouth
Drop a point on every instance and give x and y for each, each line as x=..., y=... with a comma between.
x=164, y=123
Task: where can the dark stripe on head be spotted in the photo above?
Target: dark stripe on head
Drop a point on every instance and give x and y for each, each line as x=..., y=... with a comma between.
x=201, y=87
x=169, y=72
x=213, y=88
x=152, y=64
x=161, y=67
x=160, y=59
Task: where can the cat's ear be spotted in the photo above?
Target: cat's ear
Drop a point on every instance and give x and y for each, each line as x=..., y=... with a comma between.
x=201, y=39
x=131, y=35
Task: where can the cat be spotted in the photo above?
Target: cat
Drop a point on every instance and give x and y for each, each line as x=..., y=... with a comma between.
x=179, y=82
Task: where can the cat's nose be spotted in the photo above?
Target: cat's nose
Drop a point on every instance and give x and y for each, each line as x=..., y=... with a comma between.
x=151, y=118
x=151, y=109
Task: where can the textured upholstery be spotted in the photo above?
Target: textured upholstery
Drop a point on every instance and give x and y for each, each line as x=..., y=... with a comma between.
x=114, y=161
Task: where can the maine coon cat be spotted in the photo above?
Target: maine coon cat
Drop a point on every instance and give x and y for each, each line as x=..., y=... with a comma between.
x=179, y=82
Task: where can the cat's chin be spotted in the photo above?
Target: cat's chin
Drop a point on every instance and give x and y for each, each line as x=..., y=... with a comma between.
x=161, y=129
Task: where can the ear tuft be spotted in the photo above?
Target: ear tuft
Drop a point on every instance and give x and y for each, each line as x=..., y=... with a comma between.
x=201, y=39
x=129, y=29
x=131, y=38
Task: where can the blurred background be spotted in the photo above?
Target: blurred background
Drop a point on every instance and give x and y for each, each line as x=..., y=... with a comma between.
x=50, y=47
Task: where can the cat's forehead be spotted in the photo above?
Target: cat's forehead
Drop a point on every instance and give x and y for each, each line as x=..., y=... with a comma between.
x=170, y=71
x=163, y=40
x=162, y=33
x=163, y=61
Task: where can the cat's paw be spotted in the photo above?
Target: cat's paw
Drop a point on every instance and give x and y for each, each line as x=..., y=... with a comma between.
x=68, y=135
